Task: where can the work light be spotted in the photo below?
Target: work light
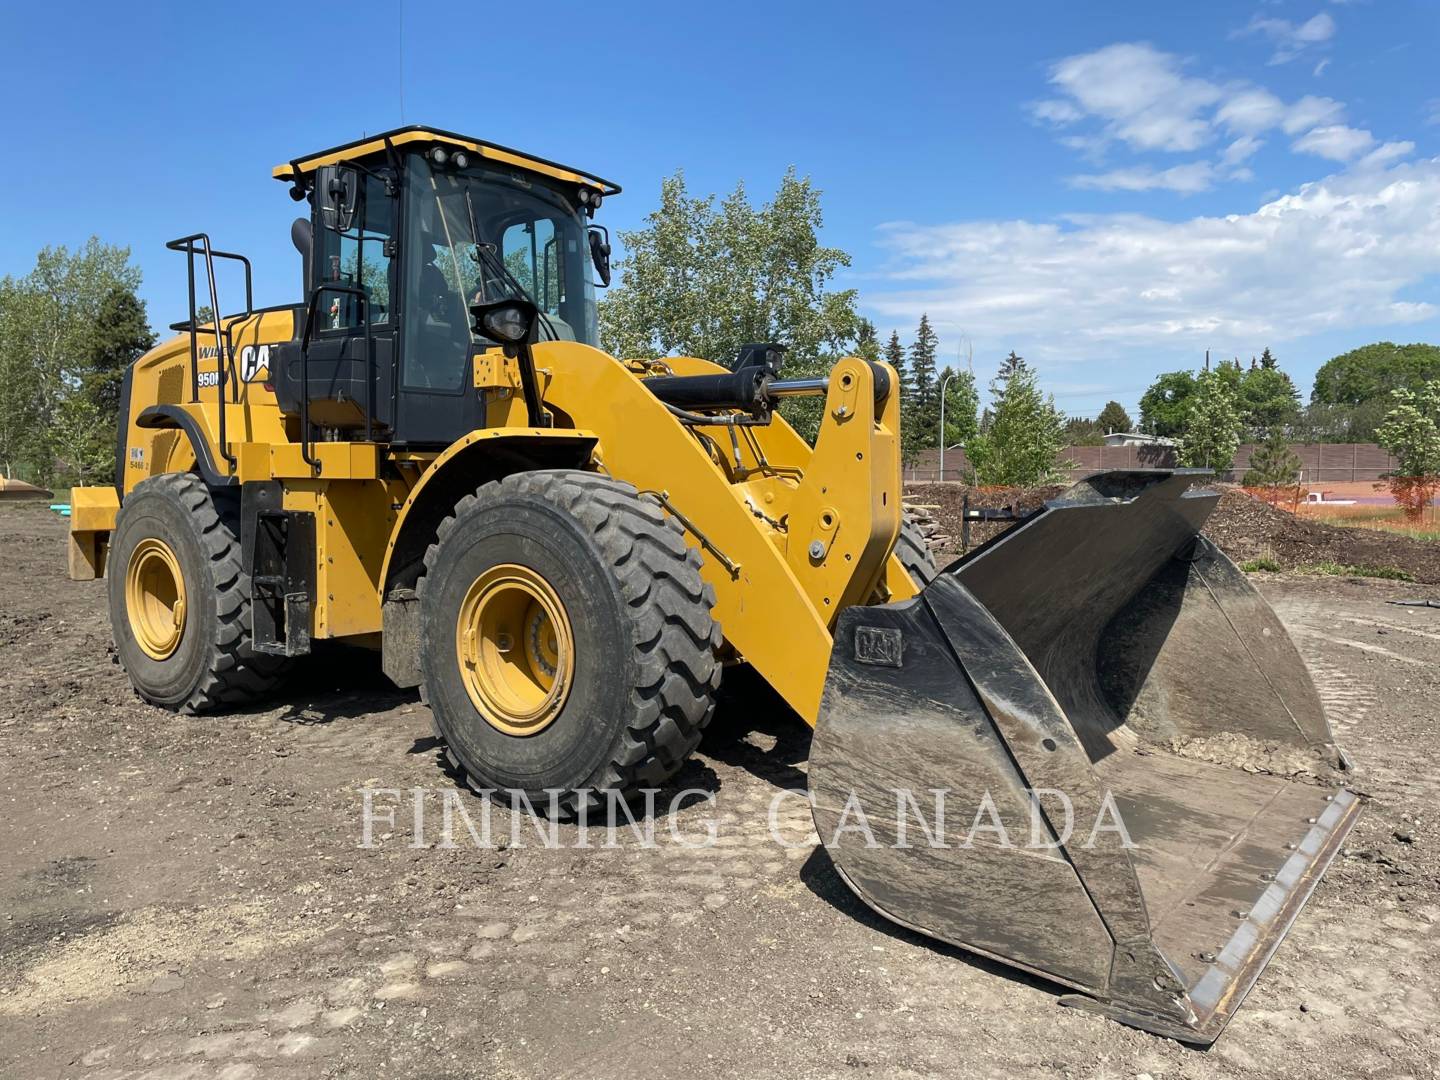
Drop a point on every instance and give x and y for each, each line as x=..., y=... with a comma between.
x=509, y=322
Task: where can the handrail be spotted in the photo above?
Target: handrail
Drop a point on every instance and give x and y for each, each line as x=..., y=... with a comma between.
x=224, y=342
x=310, y=309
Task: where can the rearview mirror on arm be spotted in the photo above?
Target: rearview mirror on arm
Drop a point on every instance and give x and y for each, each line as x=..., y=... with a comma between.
x=600, y=252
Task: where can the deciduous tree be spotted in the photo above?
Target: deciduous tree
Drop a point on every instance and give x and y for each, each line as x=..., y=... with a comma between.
x=1211, y=433
x=1411, y=433
x=1166, y=404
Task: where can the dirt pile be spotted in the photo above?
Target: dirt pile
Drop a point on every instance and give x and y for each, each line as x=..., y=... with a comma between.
x=1249, y=528
x=1245, y=528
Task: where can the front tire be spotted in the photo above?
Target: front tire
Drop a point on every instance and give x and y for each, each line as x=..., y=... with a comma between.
x=913, y=551
x=180, y=599
x=567, y=640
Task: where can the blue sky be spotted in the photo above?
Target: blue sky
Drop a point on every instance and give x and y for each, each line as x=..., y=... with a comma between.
x=1109, y=188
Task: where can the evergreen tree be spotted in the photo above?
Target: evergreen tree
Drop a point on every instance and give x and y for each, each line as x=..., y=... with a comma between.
x=895, y=357
x=1082, y=432
x=121, y=334
x=1025, y=432
x=922, y=367
x=1113, y=418
x=1273, y=465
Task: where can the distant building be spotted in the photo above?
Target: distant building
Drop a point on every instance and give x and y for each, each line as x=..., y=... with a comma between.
x=1136, y=438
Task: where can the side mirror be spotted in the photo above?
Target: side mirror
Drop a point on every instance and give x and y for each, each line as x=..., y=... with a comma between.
x=600, y=252
x=337, y=193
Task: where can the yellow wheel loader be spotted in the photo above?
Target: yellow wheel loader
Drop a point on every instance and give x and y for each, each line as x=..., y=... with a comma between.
x=1088, y=749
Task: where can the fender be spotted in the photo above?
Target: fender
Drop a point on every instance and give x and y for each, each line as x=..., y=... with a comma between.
x=478, y=458
x=483, y=455
x=175, y=416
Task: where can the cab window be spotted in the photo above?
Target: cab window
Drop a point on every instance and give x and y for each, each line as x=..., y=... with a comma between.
x=357, y=257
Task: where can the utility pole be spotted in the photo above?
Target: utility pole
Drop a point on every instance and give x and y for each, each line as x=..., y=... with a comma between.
x=943, y=383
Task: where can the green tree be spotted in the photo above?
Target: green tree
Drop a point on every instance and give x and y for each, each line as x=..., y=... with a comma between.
x=1372, y=372
x=1025, y=433
x=1411, y=434
x=1165, y=406
x=922, y=376
x=19, y=380
x=1080, y=431
x=1212, y=425
x=49, y=322
x=1273, y=465
x=895, y=357
x=121, y=335
x=1318, y=422
x=1114, y=418
x=1267, y=360
x=1268, y=399
x=962, y=407
x=867, y=345
x=701, y=280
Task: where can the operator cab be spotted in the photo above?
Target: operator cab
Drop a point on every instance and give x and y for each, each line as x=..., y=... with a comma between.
x=407, y=231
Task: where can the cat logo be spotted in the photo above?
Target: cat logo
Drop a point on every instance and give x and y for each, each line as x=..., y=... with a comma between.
x=255, y=363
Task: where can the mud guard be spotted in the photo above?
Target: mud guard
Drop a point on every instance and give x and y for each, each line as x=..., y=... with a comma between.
x=1089, y=750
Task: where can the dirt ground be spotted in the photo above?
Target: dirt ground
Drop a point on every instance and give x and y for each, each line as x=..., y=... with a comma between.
x=188, y=897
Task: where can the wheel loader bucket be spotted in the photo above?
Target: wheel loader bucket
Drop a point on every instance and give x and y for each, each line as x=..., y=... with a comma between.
x=1089, y=750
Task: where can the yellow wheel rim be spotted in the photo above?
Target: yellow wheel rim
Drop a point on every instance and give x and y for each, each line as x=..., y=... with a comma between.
x=515, y=649
x=155, y=598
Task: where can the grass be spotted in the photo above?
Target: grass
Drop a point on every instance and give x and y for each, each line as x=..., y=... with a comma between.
x=1334, y=569
x=1268, y=564
x=1388, y=519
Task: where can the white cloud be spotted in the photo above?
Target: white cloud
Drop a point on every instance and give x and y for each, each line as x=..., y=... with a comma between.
x=1320, y=67
x=1186, y=179
x=1252, y=111
x=1432, y=111
x=1055, y=111
x=1292, y=39
x=1144, y=99
x=1311, y=111
x=1242, y=149
x=1385, y=154
x=1336, y=142
x=1337, y=253
x=1142, y=95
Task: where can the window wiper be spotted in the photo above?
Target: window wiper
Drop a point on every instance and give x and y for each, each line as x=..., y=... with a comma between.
x=485, y=252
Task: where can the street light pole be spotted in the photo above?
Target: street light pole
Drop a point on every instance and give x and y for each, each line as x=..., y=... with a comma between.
x=943, y=383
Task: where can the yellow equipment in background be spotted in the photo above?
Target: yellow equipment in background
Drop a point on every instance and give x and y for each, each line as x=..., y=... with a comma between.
x=430, y=456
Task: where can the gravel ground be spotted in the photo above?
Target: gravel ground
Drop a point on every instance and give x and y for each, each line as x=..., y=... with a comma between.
x=188, y=897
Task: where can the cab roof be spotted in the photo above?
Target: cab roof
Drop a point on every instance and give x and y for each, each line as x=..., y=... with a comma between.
x=416, y=133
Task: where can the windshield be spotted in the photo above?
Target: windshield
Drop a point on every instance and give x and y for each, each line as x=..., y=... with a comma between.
x=532, y=242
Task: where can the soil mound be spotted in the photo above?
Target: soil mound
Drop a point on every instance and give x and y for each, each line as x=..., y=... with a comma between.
x=1243, y=526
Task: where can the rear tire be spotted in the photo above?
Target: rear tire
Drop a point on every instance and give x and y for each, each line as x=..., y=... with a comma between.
x=173, y=526
x=633, y=647
x=914, y=553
